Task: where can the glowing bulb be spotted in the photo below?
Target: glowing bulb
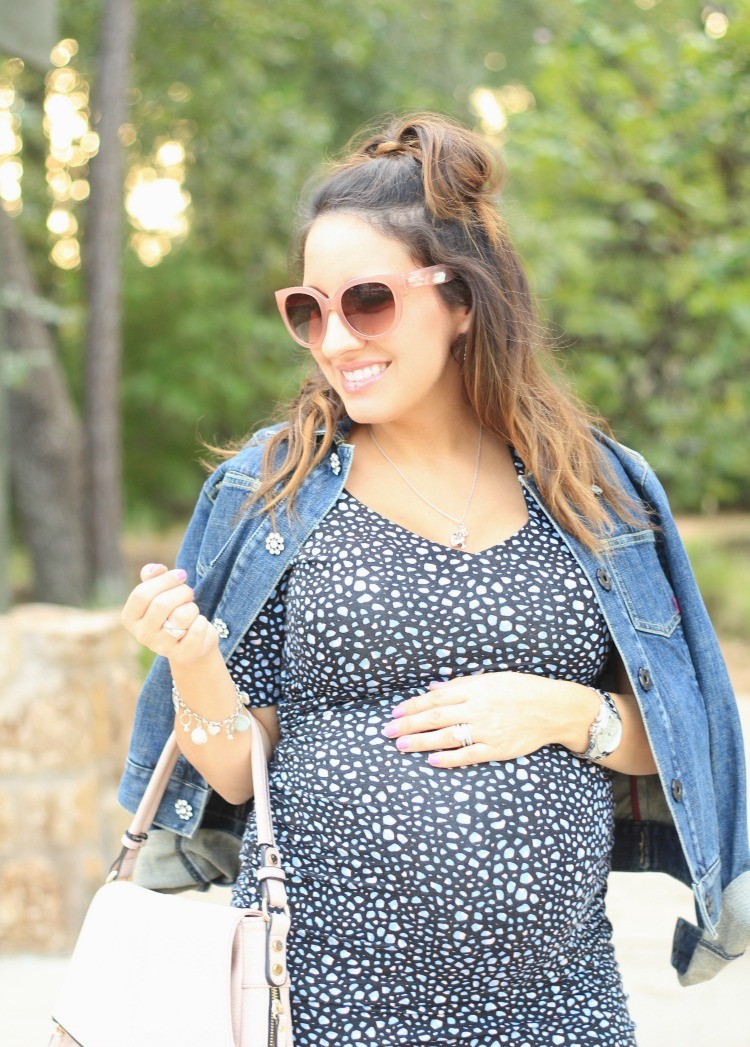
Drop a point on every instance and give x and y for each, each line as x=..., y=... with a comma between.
x=66, y=254
x=10, y=181
x=62, y=53
x=155, y=204
x=62, y=223
x=150, y=249
x=170, y=154
x=80, y=189
x=486, y=105
x=717, y=25
x=8, y=139
x=90, y=143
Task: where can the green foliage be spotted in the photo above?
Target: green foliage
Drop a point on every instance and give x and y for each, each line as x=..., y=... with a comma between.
x=264, y=92
x=633, y=198
x=628, y=197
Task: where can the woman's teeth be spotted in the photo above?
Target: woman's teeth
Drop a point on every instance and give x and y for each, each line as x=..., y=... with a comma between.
x=364, y=372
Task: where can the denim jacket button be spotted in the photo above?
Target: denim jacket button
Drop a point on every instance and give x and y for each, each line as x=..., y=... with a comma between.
x=221, y=627
x=677, y=789
x=274, y=542
x=604, y=579
x=184, y=809
x=644, y=679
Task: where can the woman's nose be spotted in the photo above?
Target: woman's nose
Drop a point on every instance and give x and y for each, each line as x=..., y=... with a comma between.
x=338, y=337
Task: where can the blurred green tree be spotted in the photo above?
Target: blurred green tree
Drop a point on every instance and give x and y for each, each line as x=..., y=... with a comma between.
x=632, y=200
x=628, y=197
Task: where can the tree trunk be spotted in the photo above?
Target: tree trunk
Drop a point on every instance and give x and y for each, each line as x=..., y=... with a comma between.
x=46, y=440
x=103, y=262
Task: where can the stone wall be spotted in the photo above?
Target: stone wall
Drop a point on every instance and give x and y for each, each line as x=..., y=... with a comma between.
x=68, y=684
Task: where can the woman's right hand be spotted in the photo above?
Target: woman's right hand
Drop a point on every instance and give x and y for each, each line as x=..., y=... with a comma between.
x=163, y=595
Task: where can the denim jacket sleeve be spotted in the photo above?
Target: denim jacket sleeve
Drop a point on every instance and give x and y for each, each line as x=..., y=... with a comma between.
x=153, y=721
x=698, y=954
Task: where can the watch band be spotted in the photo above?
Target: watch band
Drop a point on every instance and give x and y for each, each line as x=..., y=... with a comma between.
x=605, y=732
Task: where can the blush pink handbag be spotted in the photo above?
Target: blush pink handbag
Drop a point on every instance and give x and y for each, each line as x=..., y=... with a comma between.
x=158, y=970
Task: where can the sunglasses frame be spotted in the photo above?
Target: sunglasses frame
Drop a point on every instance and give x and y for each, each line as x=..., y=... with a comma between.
x=399, y=284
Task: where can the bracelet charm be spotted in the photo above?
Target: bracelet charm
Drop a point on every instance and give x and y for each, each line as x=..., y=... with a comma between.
x=204, y=728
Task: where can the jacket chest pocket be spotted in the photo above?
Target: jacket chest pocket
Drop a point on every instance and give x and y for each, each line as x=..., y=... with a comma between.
x=228, y=496
x=635, y=569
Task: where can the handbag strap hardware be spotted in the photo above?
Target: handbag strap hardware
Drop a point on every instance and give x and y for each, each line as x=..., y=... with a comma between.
x=137, y=839
x=272, y=886
x=277, y=931
x=265, y=873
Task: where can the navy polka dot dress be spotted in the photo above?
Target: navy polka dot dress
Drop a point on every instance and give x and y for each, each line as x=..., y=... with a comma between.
x=432, y=906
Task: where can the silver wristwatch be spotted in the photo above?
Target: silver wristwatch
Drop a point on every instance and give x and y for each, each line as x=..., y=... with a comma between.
x=606, y=731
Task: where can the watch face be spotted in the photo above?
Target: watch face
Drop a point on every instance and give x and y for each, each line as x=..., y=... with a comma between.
x=609, y=734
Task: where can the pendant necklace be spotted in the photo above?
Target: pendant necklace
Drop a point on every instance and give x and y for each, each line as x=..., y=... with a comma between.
x=460, y=534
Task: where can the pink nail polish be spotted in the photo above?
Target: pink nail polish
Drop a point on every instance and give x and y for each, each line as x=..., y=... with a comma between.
x=390, y=730
x=182, y=575
x=433, y=759
x=402, y=744
x=395, y=713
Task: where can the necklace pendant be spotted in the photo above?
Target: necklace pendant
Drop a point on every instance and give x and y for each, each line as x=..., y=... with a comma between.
x=458, y=538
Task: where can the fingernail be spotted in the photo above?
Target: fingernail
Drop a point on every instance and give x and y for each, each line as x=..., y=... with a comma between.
x=395, y=713
x=433, y=759
x=402, y=743
x=390, y=730
x=182, y=575
x=149, y=568
x=435, y=683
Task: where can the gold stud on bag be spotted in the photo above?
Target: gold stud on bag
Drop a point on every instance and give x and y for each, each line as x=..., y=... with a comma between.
x=158, y=970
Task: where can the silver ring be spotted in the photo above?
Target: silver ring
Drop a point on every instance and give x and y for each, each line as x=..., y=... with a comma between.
x=173, y=630
x=462, y=734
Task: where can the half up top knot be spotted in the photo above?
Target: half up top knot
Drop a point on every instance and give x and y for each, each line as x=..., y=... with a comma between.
x=387, y=147
x=461, y=175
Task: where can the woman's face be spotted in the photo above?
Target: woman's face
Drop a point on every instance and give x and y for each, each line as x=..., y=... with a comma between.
x=414, y=366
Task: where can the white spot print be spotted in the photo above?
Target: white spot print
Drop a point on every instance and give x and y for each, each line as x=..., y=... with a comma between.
x=432, y=906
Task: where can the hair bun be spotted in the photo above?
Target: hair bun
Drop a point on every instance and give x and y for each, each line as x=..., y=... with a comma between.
x=460, y=173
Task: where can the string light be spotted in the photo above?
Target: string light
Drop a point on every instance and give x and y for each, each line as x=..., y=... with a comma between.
x=11, y=165
x=156, y=200
x=72, y=144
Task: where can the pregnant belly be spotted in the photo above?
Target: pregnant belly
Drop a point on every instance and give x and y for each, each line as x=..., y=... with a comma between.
x=502, y=856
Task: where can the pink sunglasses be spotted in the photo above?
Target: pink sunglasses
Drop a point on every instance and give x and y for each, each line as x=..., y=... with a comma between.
x=369, y=308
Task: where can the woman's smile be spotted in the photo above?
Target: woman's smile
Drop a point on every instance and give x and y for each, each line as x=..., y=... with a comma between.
x=359, y=378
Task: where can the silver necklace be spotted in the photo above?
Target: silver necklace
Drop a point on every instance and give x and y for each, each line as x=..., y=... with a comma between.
x=461, y=533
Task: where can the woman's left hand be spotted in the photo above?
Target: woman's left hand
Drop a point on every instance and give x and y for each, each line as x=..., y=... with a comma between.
x=509, y=714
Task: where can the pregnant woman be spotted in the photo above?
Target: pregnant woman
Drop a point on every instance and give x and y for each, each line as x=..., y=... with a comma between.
x=426, y=582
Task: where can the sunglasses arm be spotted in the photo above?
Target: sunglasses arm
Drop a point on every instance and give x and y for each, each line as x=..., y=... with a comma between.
x=435, y=274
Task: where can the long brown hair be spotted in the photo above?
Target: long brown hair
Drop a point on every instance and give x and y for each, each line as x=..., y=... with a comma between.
x=432, y=185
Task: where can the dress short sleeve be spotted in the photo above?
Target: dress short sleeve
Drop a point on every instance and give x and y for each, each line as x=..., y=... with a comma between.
x=256, y=662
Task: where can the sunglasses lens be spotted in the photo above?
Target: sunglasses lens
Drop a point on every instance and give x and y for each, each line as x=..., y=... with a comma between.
x=369, y=308
x=303, y=314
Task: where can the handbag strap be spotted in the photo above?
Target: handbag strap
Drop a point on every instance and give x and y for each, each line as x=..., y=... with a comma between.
x=270, y=873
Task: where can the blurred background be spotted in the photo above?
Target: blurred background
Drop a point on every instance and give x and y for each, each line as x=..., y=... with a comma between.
x=151, y=156
x=166, y=143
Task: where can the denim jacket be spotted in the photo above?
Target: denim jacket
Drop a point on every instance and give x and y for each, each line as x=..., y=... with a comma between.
x=689, y=821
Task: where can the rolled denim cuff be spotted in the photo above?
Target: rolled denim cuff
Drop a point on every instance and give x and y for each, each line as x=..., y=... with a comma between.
x=169, y=863
x=696, y=955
